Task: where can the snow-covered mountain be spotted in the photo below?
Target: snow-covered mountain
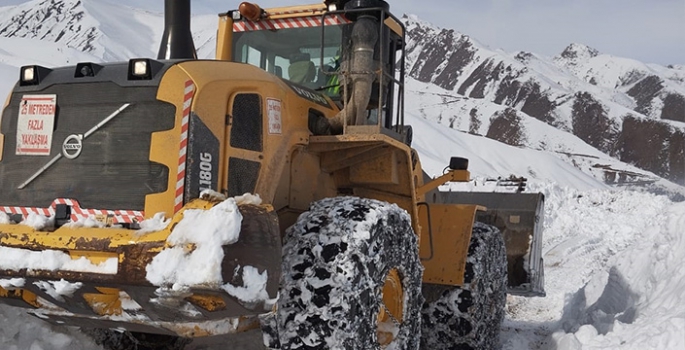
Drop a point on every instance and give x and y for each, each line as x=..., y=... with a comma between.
x=577, y=125
x=631, y=111
x=86, y=26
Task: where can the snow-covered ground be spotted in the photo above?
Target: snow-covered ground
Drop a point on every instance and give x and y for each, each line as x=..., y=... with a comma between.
x=613, y=258
x=614, y=277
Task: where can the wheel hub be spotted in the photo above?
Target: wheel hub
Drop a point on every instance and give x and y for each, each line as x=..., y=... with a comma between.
x=391, y=313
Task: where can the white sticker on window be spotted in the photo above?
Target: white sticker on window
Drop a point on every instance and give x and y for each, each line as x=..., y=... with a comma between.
x=35, y=124
x=273, y=108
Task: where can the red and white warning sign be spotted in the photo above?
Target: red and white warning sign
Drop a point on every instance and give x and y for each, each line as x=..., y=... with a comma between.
x=273, y=111
x=35, y=124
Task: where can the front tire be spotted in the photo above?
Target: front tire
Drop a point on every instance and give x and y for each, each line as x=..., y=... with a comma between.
x=469, y=317
x=351, y=278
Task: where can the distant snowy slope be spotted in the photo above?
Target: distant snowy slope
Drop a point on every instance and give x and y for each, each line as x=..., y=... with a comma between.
x=105, y=30
x=606, y=101
x=6, y=74
x=125, y=38
x=490, y=159
x=63, y=32
x=535, y=84
x=514, y=128
x=204, y=35
x=62, y=21
x=610, y=72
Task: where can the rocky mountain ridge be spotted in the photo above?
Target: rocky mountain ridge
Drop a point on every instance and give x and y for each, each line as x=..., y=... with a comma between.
x=53, y=20
x=632, y=111
x=74, y=24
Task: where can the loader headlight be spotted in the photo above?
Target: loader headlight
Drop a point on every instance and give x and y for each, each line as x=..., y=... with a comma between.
x=32, y=75
x=139, y=69
x=28, y=74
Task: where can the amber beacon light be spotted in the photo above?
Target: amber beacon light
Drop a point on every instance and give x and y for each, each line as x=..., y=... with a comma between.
x=251, y=11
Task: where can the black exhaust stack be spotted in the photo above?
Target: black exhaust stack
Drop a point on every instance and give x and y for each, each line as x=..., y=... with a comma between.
x=177, y=41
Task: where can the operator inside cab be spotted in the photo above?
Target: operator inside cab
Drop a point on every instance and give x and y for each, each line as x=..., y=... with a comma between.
x=302, y=69
x=351, y=59
x=294, y=54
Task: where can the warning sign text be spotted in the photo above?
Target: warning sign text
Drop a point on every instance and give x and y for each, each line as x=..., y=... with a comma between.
x=35, y=124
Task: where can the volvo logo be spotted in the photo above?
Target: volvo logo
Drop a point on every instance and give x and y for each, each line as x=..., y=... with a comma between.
x=72, y=146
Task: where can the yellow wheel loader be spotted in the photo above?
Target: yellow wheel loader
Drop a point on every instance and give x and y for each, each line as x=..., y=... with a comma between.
x=272, y=188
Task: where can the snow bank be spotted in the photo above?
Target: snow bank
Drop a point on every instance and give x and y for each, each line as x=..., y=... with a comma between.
x=248, y=198
x=59, y=289
x=614, y=277
x=38, y=222
x=254, y=286
x=12, y=283
x=89, y=222
x=156, y=223
x=52, y=260
x=195, y=253
x=639, y=302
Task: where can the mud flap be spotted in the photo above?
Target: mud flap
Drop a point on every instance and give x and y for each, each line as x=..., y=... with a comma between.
x=519, y=216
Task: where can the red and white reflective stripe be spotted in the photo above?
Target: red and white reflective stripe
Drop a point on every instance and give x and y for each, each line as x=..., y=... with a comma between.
x=78, y=213
x=189, y=92
x=283, y=23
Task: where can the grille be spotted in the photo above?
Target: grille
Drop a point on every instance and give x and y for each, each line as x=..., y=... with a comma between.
x=246, y=122
x=242, y=176
x=113, y=170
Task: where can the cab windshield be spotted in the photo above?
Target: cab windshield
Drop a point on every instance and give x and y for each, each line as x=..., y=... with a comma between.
x=294, y=54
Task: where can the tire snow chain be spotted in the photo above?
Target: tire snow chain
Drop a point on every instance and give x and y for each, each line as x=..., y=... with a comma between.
x=392, y=317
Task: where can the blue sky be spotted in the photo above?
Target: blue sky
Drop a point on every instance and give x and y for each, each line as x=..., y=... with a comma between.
x=652, y=31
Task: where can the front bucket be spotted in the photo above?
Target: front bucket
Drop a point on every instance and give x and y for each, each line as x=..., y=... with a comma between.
x=519, y=216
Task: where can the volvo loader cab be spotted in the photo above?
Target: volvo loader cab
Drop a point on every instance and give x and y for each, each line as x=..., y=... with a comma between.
x=271, y=188
x=340, y=48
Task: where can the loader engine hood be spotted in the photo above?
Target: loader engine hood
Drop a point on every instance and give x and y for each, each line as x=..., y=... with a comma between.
x=83, y=137
x=113, y=142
